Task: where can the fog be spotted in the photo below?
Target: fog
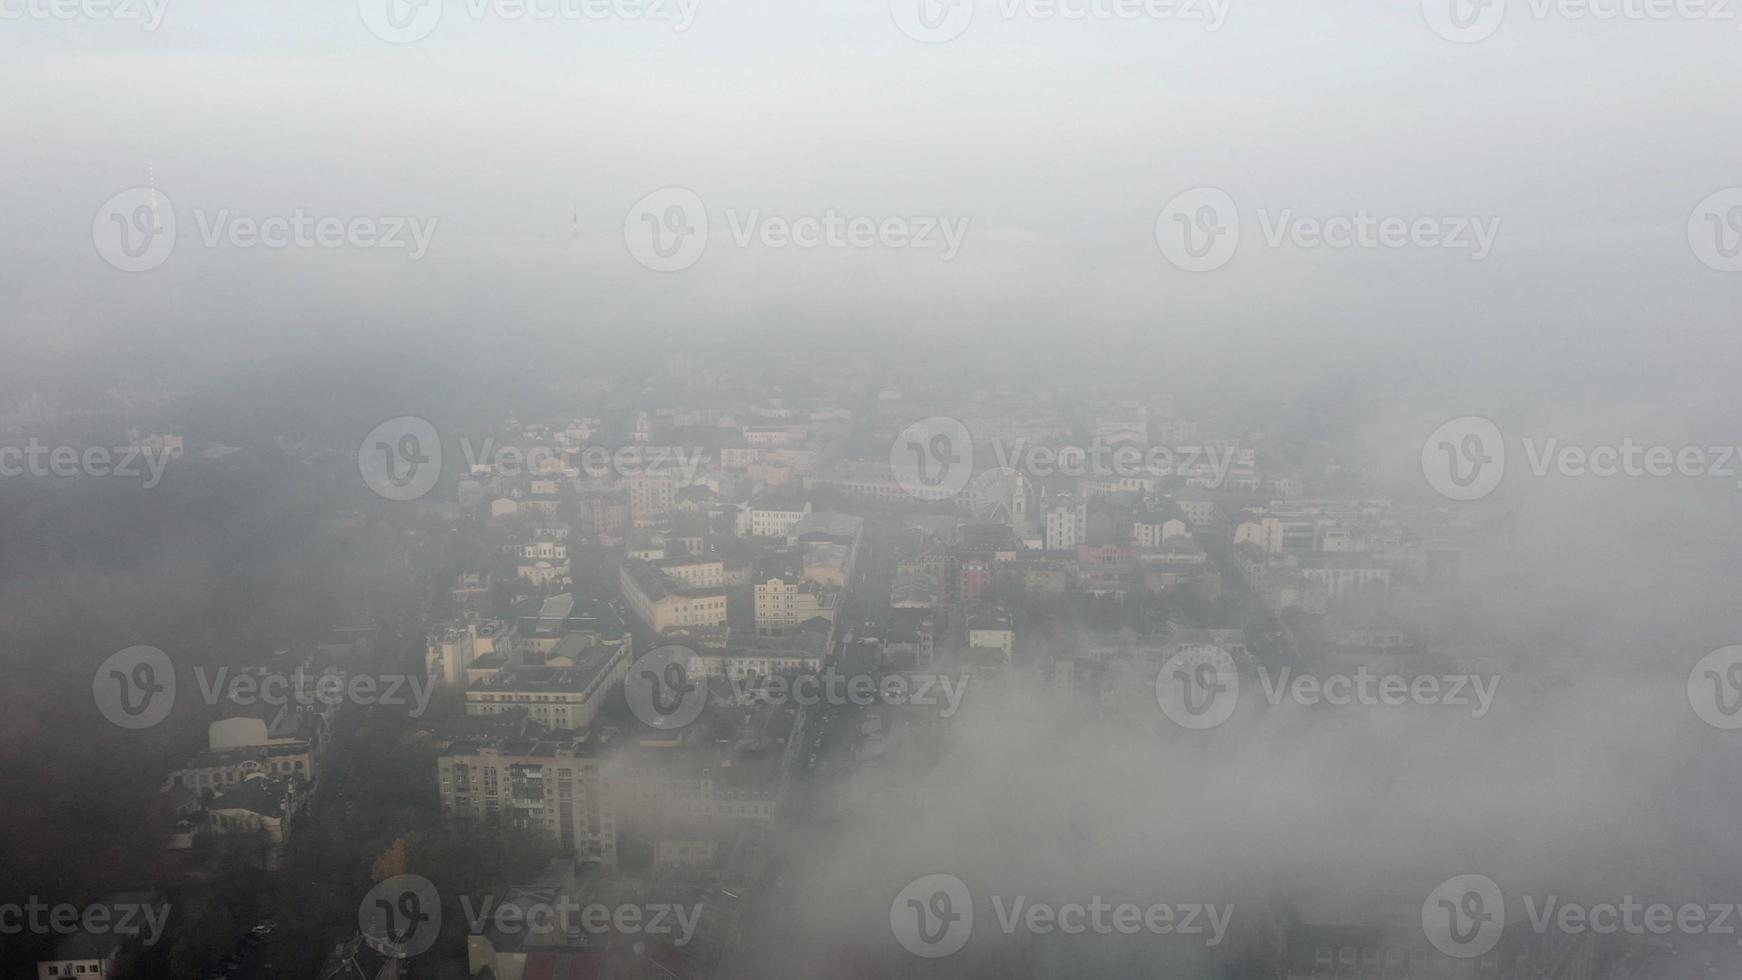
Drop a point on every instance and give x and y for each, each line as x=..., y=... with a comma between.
x=520, y=146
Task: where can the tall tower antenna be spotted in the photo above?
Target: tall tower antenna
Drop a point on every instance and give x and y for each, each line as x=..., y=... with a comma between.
x=151, y=178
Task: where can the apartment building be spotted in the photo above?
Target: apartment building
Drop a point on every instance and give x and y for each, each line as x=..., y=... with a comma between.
x=555, y=787
x=650, y=497
x=782, y=603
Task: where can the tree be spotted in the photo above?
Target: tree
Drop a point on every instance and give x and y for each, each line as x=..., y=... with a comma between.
x=391, y=863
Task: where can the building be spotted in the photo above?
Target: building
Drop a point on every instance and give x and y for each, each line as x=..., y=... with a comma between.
x=664, y=602
x=826, y=563
x=782, y=603
x=773, y=517
x=974, y=575
x=990, y=629
x=451, y=648
x=1151, y=530
x=916, y=588
x=695, y=573
x=650, y=497
x=97, y=955
x=1065, y=524
x=216, y=770
x=85, y=955
x=259, y=804
x=875, y=481
x=359, y=960
x=605, y=514
x=537, y=626
x=553, y=786
x=258, y=740
x=803, y=653
x=565, y=697
x=544, y=561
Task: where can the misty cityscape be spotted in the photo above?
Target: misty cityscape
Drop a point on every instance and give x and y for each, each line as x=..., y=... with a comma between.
x=727, y=489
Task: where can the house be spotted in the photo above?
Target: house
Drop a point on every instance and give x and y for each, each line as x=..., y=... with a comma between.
x=135, y=919
x=85, y=956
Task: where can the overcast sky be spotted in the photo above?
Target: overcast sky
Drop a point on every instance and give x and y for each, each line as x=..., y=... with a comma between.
x=1590, y=142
